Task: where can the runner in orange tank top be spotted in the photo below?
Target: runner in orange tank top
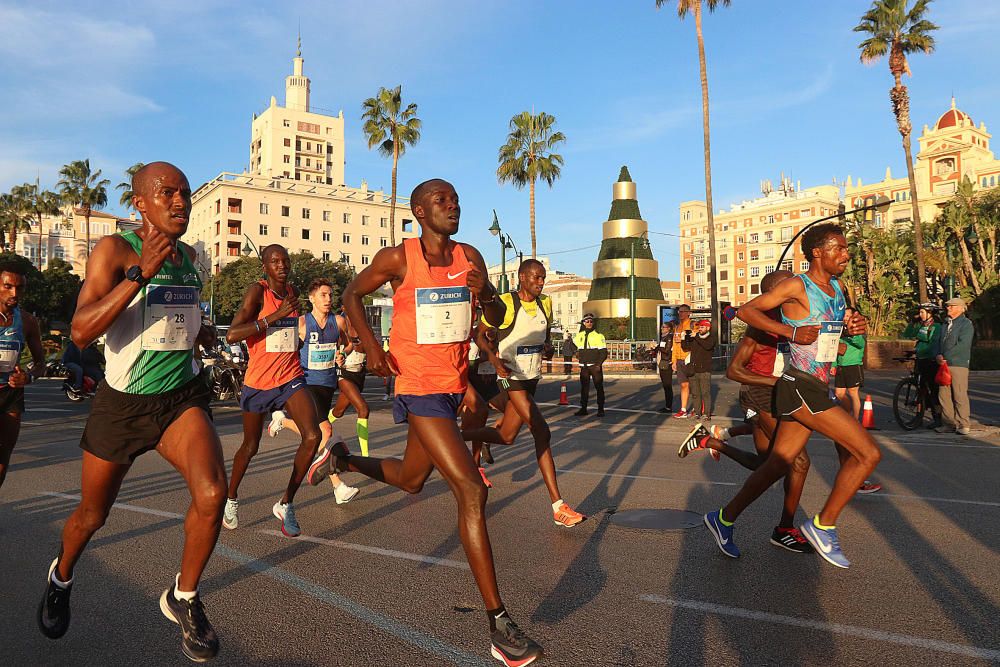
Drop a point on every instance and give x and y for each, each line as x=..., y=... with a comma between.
x=435, y=282
x=268, y=321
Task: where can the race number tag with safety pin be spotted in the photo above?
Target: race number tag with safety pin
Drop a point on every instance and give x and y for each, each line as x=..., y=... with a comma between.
x=283, y=335
x=321, y=356
x=10, y=352
x=444, y=315
x=782, y=352
x=171, y=318
x=828, y=341
x=529, y=360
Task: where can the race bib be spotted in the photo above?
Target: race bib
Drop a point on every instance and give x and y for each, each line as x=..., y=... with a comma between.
x=529, y=360
x=781, y=359
x=444, y=315
x=171, y=318
x=10, y=352
x=321, y=356
x=828, y=341
x=283, y=335
x=486, y=368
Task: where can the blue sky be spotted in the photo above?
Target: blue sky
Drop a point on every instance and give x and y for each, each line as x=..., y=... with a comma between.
x=121, y=82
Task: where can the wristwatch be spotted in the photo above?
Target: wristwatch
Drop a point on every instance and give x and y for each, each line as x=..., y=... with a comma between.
x=134, y=273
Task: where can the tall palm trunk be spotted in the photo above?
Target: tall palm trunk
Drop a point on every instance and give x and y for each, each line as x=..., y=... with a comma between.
x=392, y=202
x=40, y=243
x=712, y=280
x=901, y=108
x=967, y=262
x=86, y=221
x=531, y=216
x=13, y=238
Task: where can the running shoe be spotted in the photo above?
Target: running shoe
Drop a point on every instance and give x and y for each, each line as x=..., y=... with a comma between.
x=511, y=646
x=666, y=411
x=53, y=612
x=230, y=518
x=199, y=642
x=681, y=414
x=567, y=517
x=277, y=423
x=826, y=544
x=696, y=439
x=580, y=413
x=791, y=539
x=600, y=412
x=285, y=513
x=869, y=487
x=486, y=480
x=965, y=430
x=722, y=533
x=344, y=493
x=717, y=432
x=320, y=468
x=486, y=454
x=386, y=397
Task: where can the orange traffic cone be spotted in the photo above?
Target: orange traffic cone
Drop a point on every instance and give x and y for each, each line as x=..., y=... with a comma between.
x=563, y=399
x=868, y=414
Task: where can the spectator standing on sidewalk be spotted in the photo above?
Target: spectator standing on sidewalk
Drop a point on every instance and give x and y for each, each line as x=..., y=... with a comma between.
x=955, y=348
x=927, y=332
x=682, y=329
x=850, y=368
x=568, y=350
x=701, y=345
x=664, y=351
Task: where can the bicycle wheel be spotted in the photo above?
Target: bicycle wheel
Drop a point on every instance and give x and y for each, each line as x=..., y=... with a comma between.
x=907, y=405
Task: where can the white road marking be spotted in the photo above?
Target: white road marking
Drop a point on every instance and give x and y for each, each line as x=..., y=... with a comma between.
x=431, y=560
x=836, y=628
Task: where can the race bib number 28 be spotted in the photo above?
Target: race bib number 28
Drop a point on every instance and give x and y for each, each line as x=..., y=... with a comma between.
x=171, y=318
x=444, y=315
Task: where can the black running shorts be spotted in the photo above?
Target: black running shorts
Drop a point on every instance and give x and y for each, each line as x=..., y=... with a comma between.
x=849, y=376
x=755, y=399
x=486, y=385
x=796, y=389
x=11, y=400
x=323, y=397
x=123, y=426
x=520, y=385
x=357, y=378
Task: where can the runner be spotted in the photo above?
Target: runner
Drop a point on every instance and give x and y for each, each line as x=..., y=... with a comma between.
x=523, y=334
x=268, y=321
x=142, y=289
x=351, y=360
x=756, y=365
x=319, y=331
x=482, y=393
x=847, y=384
x=812, y=319
x=434, y=281
x=17, y=329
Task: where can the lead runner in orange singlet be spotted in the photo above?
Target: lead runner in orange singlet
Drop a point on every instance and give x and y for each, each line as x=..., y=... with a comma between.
x=435, y=282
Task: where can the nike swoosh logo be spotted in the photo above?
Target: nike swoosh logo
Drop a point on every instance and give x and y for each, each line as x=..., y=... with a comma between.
x=452, y=277
x=825, y=548
x=723, y=540
x=9, y=333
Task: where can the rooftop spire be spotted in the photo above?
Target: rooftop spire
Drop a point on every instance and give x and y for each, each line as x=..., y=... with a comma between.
x=298, y=51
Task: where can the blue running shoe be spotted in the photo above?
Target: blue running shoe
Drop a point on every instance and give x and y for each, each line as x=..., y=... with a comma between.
x=826, y=544
x=723, y=534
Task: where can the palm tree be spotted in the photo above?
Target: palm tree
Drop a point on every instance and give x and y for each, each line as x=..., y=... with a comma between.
x=898, y=30
x=83, y=188
x=695, y=7
x=38, y=203
x=392, y=128
x=12, y=219
x=527, y=156
x=955, y=220
x=126, y=185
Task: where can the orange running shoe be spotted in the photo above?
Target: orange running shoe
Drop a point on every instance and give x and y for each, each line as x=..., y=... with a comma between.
x=567, y=517
x=486, y=481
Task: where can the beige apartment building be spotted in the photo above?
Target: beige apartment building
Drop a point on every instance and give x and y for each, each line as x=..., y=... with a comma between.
x=294, y=193
x=672, y=292
x=65, y=237
x=568, y=292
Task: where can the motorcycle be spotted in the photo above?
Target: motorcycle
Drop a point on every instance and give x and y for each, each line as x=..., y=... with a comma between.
x=77, y=395
x=222, y=374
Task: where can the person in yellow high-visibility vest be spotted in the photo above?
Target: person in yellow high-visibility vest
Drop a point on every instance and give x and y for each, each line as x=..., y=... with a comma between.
x=591, y=352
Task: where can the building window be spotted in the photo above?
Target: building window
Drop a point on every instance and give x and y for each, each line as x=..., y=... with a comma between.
x=263, y=209
x=687, y=247
x=687, y=263
x=284, y=232
x=305, y=214
x=700, y=294
x=688, y=294
x=326, y=237
x=383, y=222
x=286, y=123
x=769, y=252
x=787, y=266
x=754, y=289
x=740, y=257
x=263, y=230
x=285, y=211
x=305, y=234
x=754, y=255
x=347, y=218
x=287, y=142
x=346, y=238
x=326, y=257
x=723, y=275
x=753, y=237
x=786, y=234
x=755, y=272
x=803, y=266
x=364, y=220
x=768, y=237
x=383, y=242
x=326, y=216
x=770, y=219
x=688, y=279
x=218, y=227
x=741, y=273
x=723, y=259
x=699, y=263
x=59, y=252
x=739, y=240
x=288, y=160
x=364, y=240
x=345, y=258
x=364, y=260
x=768, y=269
x=407, y=225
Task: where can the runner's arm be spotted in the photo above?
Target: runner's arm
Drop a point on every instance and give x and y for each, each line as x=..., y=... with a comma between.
x=737, y=369
x=244, y=325
x=754, y=312
x=388, y=266
x=105, y=293
x=33, y=337
x=493, y=308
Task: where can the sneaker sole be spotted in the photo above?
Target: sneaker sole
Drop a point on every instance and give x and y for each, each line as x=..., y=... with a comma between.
x=788, y=548
x=718, y=539
x=316, y=464
x=283, y=531
x=228, y=526
x=806, y=534
x=511, y=663
x=569, y=525
x=865, y=492
x=165, y=608
x=682, y=451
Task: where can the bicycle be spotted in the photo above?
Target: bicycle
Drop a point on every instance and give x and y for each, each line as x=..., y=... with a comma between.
x=907, y=404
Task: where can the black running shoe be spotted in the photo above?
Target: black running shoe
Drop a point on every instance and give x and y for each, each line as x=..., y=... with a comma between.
x=511, y=646
x=791, y=539
x=695, y=440
x=53, y=612
x=600, y=412
x=487, y=456
x=339, y=453
x=199, y=640
x=580, y=413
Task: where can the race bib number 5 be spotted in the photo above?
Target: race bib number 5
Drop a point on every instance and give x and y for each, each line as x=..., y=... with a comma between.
x=283, y=335
x=828, y=341
x=444, y=315
x=171, y=318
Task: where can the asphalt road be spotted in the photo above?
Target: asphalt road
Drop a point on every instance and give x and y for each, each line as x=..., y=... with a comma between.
x=383, y=580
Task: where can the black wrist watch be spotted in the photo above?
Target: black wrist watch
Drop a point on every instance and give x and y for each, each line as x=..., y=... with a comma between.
x=134, y=273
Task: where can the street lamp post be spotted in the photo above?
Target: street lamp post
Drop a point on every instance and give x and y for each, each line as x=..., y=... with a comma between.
x=249, y=247
x=503, y=283
x=880, y=203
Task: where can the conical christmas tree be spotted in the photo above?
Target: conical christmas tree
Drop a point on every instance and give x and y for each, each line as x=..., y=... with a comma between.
x=625, y=236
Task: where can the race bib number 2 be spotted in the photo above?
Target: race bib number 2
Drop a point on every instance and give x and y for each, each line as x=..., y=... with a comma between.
x=828, y=342
x=171, y=318
x=444, y=315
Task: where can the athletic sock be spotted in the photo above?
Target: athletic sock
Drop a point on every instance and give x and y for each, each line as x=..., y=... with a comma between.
x=724, y=434
x=60, y=584
x=331, y=417
x=363, y=435
x=336, y=485
x=495, y=615
x=182, y=595
x=556, y=505
x=723, y=521
x=821, y=526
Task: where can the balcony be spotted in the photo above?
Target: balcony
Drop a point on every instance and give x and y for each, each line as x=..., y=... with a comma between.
x=235, y=205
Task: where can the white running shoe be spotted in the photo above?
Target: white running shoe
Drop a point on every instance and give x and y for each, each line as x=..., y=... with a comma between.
x=229, y=516
x=286, y=514
x=344, y=493
x=277, y=423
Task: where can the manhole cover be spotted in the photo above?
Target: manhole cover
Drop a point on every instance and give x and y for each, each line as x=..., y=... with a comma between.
x=656, y=519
